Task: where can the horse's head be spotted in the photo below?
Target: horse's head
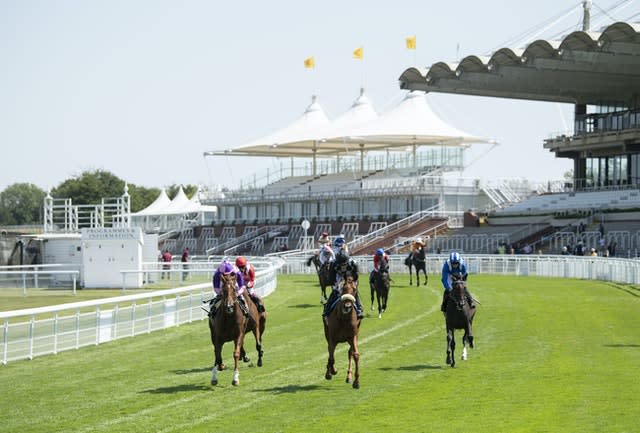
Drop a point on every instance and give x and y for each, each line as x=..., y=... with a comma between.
x=348, y=294
x=458, y=288
x=228, y=283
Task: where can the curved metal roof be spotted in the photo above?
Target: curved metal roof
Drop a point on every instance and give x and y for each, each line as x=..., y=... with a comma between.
x=583, y=68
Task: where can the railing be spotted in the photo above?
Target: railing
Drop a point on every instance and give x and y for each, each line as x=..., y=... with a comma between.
x=48, y=330
x=400, y=224
x=557, y=266
x=38, y=276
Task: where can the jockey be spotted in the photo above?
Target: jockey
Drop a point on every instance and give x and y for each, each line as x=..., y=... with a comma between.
x=326, y=254
x=454, y=266
x=342, y=267
x=416, y=245
x=380, y=260
x=339, y=244
x=226, y=268
x=324, y=239
x=249, y=279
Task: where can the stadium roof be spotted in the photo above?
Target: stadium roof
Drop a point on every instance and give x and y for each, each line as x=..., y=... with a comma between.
x=582, y=68
x=360, y=129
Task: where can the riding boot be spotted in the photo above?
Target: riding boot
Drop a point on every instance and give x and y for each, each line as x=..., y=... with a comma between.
x=443, y=306
x=470, y=301
x=359, y=310
x=243, y=306
x=332, y=299
x=212, y=306
x=259, y=305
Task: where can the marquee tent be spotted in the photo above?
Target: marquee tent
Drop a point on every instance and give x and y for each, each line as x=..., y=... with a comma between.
x=411, y=123
x=165, y=214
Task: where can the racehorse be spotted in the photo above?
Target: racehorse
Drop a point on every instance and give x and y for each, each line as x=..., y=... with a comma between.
x=342, y=326
x=230, y=324
x=458, y=315
x=323, y=275
x=418, y=261
x=380, y=287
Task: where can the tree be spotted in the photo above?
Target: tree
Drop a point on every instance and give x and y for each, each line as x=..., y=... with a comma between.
x=21, y=203
x=92, y=186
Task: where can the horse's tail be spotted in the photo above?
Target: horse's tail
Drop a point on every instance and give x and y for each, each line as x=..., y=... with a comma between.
x=310, y=260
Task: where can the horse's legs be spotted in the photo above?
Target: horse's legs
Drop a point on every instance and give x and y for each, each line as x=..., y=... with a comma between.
x=349, y=364
x=257, y=333
x=373, y=290
x=451, y=346
x=238, y=343
x=426, y=279
x=217, y=363
x=331, y=369
x=380, y=303
x=355, y=354
x=410, y=280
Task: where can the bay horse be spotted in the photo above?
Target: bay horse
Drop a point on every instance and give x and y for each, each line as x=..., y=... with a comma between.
x=417, y=260
x=342, y=326
x=458, y=315
x=380, y=287
x=323, y=272
x=230, y=324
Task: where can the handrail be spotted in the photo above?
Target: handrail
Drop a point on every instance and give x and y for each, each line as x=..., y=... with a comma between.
x=411, y=219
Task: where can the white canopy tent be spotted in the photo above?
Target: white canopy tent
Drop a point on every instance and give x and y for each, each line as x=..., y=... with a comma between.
x=165, y=214
x=410, y=123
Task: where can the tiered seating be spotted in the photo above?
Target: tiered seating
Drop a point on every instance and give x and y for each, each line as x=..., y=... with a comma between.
x=350, y=230
x=227, y=233
x=376, y=226
x=550, y=203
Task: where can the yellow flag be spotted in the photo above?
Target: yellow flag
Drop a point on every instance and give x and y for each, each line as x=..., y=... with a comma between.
x=358, y=53
x=310, y=63
x=411, y=42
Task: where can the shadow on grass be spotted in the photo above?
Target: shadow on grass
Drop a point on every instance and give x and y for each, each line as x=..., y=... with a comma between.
x=303, y=306
x=417, y=367
x=192, y=370
x=290, y=389
x=189, y=387
x=622, y=346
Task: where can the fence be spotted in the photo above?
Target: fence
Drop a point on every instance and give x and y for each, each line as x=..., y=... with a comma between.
x=600, y=268
x=48, y=330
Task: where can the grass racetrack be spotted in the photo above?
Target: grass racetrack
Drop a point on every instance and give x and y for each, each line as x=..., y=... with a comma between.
x=552, y=355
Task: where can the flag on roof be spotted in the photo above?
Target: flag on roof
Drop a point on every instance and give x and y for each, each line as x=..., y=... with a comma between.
x=310, y=63
x=411, y=42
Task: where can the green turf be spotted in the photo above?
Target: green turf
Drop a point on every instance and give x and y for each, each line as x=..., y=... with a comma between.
x=552, y=355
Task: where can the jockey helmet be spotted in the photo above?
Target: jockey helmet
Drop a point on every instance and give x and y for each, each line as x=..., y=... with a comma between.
x=225, y=267
x=241, y=262
x=324, y=234
x=339, y=242
x=419, y=241
x=454, y=258
x=379, y=252
x=342, y=257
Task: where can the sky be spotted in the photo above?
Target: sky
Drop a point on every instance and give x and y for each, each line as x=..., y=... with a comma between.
x=141, y=88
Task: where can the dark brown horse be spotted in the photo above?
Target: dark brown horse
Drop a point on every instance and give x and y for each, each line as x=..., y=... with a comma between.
x=458, y=315
x=417, y=260
x=380, y=287
x=323, y=275
x=230, y=324
x=342, y=326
